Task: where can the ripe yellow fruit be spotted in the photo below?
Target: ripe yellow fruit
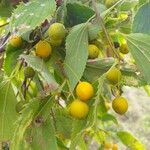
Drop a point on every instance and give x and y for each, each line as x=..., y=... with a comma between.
x=84, y=91
x=16, y=41
x=93, y=51
x=120, y=105
x=57, y=31
x=43, y=49
x=79, y=109
x=108, y=146
x=124, y=48
x=55, y=42
x=113, y=75
x=115, y=147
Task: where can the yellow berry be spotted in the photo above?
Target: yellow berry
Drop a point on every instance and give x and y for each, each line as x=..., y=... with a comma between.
x=43, y=49
x=107, y=145
x=84, y=91
x=120, y=105
x=16, y=41
x=113, y=75
x=79, y=109
x=124, y=48
x=55, y=42
x=93, y=51
x=57, y=31
x=115, y=147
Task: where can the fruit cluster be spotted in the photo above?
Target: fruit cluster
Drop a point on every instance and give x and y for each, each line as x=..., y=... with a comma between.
x=110, y=146
x=79, y=108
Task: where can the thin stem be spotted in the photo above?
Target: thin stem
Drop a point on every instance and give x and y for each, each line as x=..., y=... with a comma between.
x=100, y=20
x=4, y=24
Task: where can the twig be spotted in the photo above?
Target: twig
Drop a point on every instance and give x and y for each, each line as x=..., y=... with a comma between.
x=100, y=20
x=4, y=24
x=54, y=119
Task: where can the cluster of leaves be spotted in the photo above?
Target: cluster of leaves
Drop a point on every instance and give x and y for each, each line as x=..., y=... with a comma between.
x=44, y=121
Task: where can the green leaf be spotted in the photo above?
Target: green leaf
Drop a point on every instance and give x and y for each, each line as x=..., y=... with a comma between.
x=76, y=53
x=23, y=122
x=96, y=68
x=78, y=13
x=28, y=16
x=109, y=117
x=8, y=113
x=141, y=22
x=130, y=141
x=11, y=60
x=6, y=8
x=39, y=65
x=139, y=46
x=44, y=136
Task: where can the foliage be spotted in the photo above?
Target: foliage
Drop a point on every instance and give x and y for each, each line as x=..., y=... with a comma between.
x=45, y=120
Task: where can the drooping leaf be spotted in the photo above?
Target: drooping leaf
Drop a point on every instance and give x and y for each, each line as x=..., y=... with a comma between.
x=39, y=65
x=139, y=46
x=109, y=117
x=130, y=141
x=96, y=68
x=11, y=60
x=44, y=136
x=8, y=113
x=28, y=16
x=76, y=53
x=23, y=122
x=141, y=22
x=78, y=13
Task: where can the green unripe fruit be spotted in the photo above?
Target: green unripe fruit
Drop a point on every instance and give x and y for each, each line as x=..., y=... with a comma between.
x=93, y=51
x=55, y=43
x=19, y=106
x=109, y=3
x=29, y=72
x=114, y=76
x=16, y=41
x=57, y=31
x=124, y=48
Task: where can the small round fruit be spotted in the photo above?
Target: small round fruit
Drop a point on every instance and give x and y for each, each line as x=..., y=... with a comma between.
x=78, y=109
x=115, y=147
x=113, y=75
x=107, y=145
x=84, y=91
x=29, y=72
x=120, y=105
x=43, y=49
x=109, y=3
x=55, y=42
x=57, y=31
x=16, y=41
x=93, y=51
x=20, y=106
x=124, y=48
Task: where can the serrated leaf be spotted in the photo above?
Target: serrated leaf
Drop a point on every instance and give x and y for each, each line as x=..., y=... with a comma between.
x=139, y=46
x=130, y=141
x=39, y=65
x=141, y=22
x=22, y=124
x=96, y=68
x=28, y=16
x=7, y=110
x=11, y=60
x=44, y=136
x=78, y=13
x=76, y=54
